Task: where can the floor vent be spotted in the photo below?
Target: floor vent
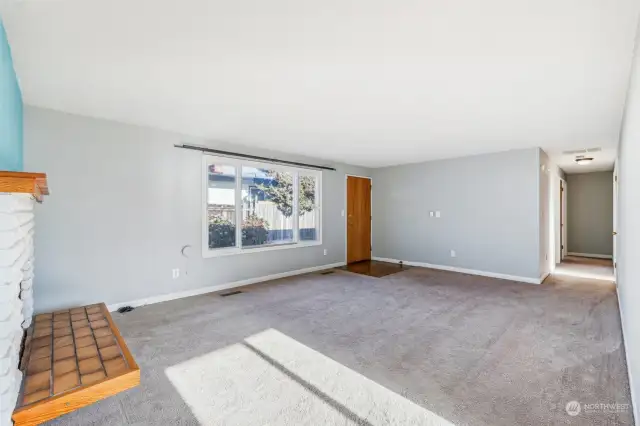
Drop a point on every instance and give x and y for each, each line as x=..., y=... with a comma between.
x=230, y=293
x=327, y=272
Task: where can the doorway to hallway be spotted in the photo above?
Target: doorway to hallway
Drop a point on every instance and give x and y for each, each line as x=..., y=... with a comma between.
x=585, y=267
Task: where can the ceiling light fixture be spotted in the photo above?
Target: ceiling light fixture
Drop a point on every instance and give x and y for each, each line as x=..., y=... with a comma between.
x=582, y=160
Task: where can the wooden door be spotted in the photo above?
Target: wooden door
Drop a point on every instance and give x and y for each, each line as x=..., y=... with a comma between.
x=358, y=219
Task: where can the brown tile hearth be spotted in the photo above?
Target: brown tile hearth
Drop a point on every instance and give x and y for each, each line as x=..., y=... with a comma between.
x=63, y=368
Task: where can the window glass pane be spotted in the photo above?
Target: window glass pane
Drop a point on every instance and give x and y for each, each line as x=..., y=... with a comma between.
x=221, y=206
x=308, y=208
x=267, y=207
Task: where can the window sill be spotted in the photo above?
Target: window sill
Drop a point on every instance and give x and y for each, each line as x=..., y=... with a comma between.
x=206, y=253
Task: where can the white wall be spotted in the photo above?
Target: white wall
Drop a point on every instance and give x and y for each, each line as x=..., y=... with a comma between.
x=549, y=213
x=16, y=295
x=557, y=199
x=544, y=212
x=489, y=213
x=628, y=240
x=124, y=202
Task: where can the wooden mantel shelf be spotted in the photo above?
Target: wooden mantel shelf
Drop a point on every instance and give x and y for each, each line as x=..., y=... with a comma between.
x=26, y=183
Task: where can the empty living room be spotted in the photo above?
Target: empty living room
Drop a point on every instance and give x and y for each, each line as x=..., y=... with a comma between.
x=319, y=212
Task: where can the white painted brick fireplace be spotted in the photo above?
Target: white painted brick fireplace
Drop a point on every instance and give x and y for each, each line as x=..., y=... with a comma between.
x=16, y=294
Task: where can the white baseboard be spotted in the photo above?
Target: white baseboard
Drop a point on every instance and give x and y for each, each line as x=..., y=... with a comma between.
x=595, y=256
x=219, y=287
x=634, y=402
x=466, y=271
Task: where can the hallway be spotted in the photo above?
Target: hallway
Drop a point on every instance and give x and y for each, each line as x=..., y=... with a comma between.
x=585, y=267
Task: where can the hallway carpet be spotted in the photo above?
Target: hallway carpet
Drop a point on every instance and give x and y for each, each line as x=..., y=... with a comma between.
x=585, y=267
x=417, y=347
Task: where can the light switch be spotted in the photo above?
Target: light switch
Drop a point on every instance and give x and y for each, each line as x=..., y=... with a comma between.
x=431, y=214
x=438, y=213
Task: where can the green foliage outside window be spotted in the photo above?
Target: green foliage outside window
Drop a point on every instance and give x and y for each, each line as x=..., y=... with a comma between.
x=222, y=233
x=281, y=192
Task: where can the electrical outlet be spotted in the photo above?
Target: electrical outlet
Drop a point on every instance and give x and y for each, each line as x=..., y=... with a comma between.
x=175, y=273
x=453, y=253
x=325, y=252
x=438, y=213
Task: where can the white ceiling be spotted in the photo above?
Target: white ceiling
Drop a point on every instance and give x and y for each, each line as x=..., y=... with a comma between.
x=367, y=82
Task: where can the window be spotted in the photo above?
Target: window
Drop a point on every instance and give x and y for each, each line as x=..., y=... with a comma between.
x=254, y=206
x=308, y=206
x=221, y=205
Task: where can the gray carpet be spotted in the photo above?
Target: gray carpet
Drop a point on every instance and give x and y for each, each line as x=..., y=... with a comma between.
x=419, y=346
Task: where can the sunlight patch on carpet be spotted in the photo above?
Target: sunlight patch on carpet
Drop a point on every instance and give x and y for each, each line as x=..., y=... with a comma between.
x=271, y=378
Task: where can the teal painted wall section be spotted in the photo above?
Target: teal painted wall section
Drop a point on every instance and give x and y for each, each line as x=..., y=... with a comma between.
x=11, y=115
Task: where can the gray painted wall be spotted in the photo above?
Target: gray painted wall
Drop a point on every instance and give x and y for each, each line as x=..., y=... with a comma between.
x=489, y=206
x=124, y=202
x=590, y=213
x=628, y=227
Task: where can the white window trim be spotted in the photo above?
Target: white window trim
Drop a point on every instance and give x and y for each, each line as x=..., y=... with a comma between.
x=238, y=163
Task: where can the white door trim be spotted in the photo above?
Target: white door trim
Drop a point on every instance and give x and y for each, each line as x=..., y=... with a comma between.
x=615, y=221
x=564, y=230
